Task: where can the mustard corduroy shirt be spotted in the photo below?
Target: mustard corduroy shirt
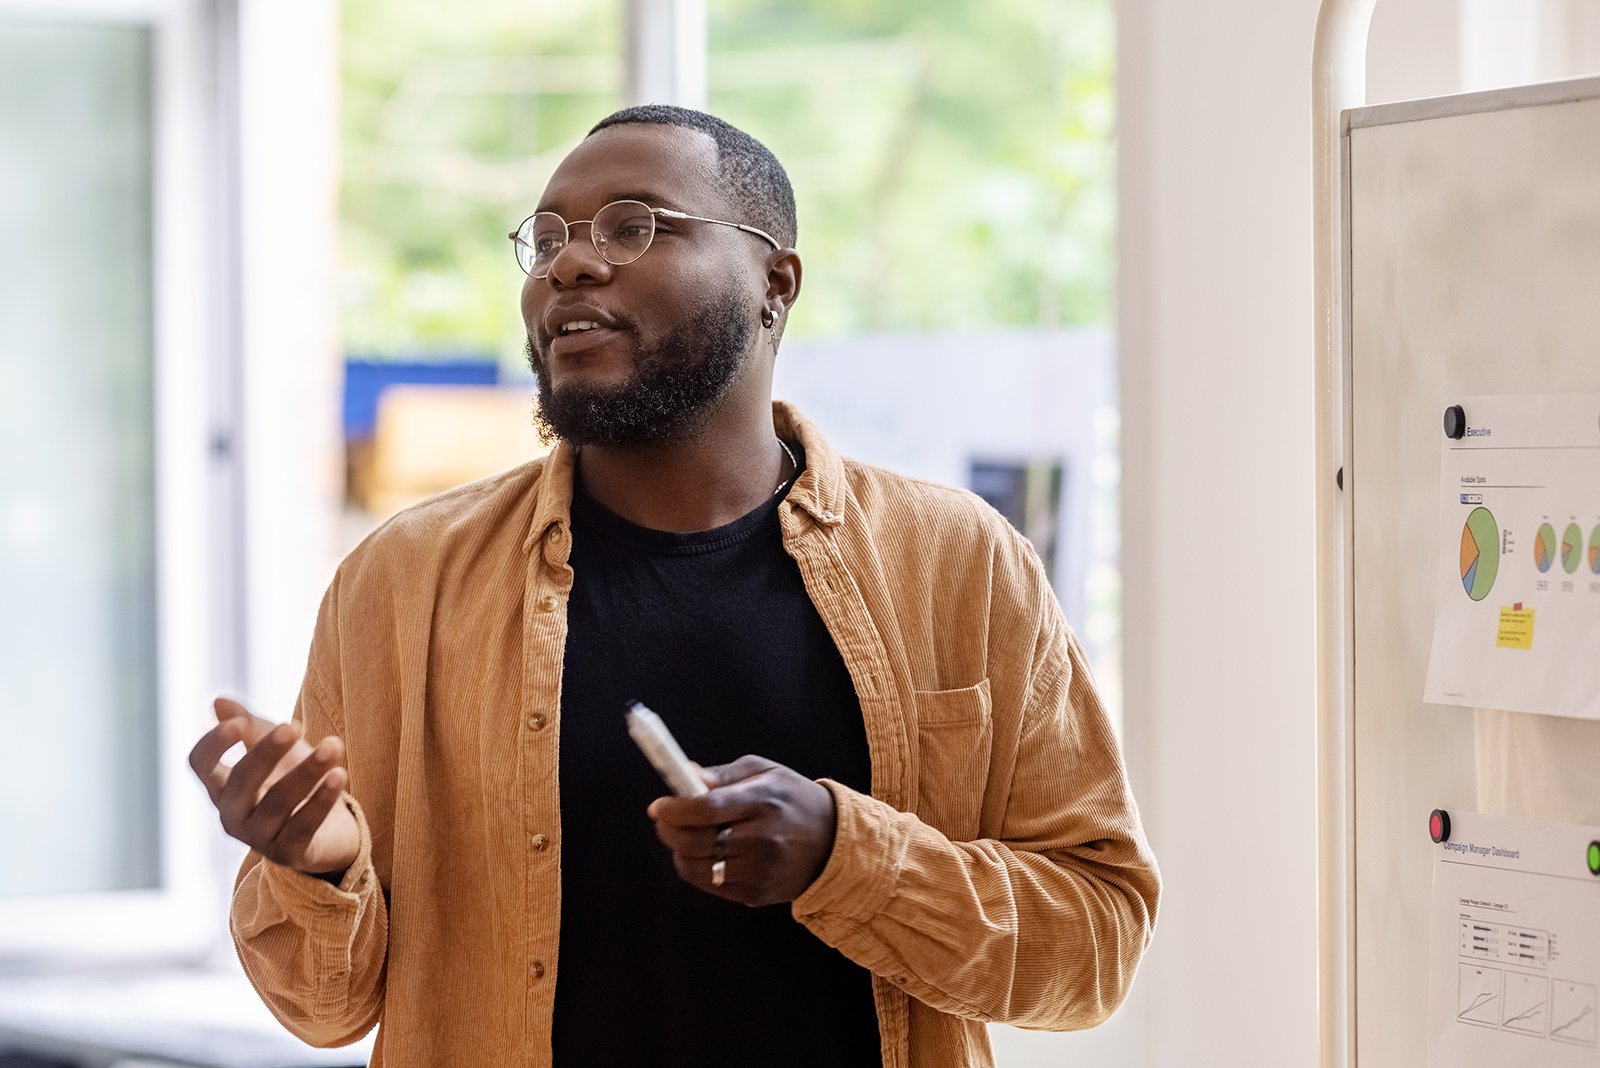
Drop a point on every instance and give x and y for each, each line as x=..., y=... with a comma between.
x=998, y=871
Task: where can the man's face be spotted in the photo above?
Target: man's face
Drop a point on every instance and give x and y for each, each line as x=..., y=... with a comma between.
x=675, y=325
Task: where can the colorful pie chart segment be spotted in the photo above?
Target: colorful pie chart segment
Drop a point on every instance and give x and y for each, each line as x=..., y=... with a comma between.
x=1594, y=551
x=1480, y=553
x=1571, y=548
x=1544, y=547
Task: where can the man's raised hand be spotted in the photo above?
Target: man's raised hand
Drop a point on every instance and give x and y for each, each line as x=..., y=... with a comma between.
x=282, y=797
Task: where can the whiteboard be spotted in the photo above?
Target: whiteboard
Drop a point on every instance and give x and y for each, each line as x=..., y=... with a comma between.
x=1472, y=241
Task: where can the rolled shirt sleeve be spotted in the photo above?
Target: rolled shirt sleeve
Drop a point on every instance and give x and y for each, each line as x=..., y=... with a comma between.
x=316, y=952
x=1041, y=925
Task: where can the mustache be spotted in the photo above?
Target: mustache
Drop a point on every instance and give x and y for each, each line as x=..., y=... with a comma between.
x=538, y=343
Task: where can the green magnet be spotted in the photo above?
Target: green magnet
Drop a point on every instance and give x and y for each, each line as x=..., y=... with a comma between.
x=1594, y=858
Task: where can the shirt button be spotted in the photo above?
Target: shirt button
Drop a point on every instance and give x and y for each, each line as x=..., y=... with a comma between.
x=541, y=843
x=536, y=970
x=536, y=722
x=548, y=603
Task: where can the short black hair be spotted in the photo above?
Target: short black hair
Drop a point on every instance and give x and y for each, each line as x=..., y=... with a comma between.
x=753, y=179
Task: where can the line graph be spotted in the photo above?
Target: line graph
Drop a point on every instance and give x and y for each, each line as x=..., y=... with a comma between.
x=1526, y=998
x=1479, y=1000
x=1572, y=1012
x=1528, y=1018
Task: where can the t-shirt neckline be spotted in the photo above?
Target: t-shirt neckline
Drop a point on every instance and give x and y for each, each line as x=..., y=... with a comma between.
x=591, y=514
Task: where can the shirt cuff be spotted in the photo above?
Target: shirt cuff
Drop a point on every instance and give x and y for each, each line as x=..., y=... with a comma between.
x=303, y=896
x=864, y=867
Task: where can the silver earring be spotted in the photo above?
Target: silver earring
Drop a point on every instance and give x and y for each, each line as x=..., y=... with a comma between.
x=767, y=318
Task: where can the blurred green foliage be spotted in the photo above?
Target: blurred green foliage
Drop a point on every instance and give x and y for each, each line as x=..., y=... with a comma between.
x=453, y=117
x=952, y=161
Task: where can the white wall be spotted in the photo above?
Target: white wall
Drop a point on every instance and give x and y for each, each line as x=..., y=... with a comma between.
x=291, y=376
x=1216, y=325
x=1414, y=49
x=1433, y=47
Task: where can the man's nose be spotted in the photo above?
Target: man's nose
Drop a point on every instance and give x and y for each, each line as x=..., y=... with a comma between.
x=578, y=262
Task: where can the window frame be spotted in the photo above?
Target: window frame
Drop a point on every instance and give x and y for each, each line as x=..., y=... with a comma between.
x=198, y=622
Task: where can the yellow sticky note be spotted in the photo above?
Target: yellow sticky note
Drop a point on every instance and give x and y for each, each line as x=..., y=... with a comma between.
x=1516, y=628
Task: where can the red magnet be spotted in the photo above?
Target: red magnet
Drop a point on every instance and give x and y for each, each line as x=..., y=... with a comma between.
x=1439, y=825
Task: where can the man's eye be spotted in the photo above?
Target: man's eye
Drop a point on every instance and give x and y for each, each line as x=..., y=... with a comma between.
x=631, y=231
x=544, y=246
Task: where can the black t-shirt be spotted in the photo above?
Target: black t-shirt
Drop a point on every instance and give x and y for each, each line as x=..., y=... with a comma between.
x=715, y=632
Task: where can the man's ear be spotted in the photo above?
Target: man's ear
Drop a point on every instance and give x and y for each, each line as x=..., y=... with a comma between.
x=783, y=281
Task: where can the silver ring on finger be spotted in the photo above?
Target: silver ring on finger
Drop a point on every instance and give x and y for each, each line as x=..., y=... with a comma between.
x=719, y=872
x=719, y=846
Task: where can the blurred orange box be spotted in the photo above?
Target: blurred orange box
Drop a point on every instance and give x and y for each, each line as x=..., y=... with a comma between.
x=431, y=438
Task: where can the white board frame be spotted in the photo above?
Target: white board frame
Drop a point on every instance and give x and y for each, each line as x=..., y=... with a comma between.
x=1337, y=711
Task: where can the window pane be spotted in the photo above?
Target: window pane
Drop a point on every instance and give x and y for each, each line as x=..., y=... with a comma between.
x=78, y=788
x=454, y=117
x=952, y=161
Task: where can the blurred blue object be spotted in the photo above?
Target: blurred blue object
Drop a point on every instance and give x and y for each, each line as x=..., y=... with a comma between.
x=366, y=378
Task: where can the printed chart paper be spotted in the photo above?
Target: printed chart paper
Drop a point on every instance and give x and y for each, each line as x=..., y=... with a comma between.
x=1514, y=960
x=1518, y=622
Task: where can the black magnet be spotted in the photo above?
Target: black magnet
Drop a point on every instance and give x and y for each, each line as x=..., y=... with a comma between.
x=1455, y=422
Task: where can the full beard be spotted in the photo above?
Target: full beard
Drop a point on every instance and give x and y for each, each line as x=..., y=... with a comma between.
x=675, y=386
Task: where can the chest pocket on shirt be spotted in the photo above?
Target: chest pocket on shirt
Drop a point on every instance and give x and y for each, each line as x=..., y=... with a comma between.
x=954, y=732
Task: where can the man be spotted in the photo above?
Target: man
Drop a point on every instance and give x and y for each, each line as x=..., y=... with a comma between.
x=456, y=838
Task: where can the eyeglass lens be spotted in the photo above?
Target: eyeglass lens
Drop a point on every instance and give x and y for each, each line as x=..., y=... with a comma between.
x=620, y=232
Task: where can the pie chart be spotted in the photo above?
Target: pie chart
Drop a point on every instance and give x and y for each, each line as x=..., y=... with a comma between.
x=1571, y=548
x=1480, y=553
x=1594, y=551
x=1544, y=547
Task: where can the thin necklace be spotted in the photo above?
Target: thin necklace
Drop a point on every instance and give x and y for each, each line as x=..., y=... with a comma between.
x=793, y=463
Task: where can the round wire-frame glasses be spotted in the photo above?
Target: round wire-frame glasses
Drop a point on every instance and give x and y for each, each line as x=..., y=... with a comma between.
x=621, y=232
